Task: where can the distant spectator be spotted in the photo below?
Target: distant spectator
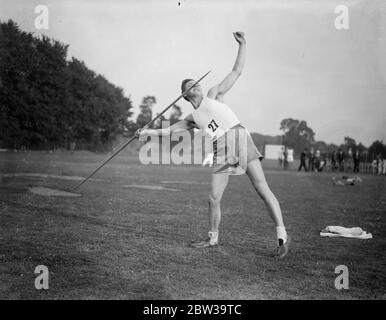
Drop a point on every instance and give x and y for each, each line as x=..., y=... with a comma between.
x=290, y=156
x=340, y=157
x=374, y=166
x=285, y=158
x=322, y=164
x=384, y=167
x=303, y=157
x=319, y=163
x=357, y=159
x=317, y=160
x=349, y=158
x=281, y=157
x=328, y=163
x=380, y=165
x=333, y=160
x=311, y=158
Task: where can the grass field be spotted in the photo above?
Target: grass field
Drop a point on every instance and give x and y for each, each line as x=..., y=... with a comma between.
x=121, y=242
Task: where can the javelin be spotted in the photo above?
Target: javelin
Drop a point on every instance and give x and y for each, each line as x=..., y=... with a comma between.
x=120, y=148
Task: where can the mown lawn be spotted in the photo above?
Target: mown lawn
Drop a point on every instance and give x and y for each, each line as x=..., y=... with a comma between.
x=121, y=242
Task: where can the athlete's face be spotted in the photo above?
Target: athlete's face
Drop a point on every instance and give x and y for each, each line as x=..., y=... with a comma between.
x=195, y=92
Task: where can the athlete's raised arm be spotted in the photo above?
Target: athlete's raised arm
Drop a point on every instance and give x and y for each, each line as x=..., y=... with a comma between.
x=218, y=91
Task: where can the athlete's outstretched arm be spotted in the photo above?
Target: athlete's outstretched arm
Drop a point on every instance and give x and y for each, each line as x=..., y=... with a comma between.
x=218, y=91
x=186, y=124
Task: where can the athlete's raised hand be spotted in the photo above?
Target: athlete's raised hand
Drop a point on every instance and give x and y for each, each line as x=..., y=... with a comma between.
x=217, y=92
x=239, y=36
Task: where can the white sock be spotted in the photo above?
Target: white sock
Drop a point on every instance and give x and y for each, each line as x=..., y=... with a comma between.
x=213, y=235
x=281, y=233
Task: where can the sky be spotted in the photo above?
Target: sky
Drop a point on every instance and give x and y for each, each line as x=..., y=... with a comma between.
x=298, y=64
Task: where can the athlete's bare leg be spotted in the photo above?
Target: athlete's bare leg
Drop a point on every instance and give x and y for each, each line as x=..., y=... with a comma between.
x=218, y=185
x=256, y=175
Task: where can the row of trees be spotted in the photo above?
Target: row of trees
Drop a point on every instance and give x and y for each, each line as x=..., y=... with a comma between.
x=47, y=101
x=298, y=135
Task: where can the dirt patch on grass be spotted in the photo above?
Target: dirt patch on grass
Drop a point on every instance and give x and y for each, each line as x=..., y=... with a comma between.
x=185, y=182
x=48, y=192
x=148, y=187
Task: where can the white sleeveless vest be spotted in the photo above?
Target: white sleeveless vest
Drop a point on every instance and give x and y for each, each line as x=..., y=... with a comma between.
x=214, y=117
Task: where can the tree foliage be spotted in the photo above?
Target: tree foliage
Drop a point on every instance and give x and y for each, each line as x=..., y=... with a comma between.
x=297, y=134
x=175, y=114
x=349, y=143
x=377, y=149
x=48, y=101
x=146, y=113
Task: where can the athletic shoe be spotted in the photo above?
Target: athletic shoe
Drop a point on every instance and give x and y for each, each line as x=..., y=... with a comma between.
x=282, y=249
x=204, y=243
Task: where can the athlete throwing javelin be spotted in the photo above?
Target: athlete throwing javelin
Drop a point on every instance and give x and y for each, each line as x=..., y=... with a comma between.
x=219, y=122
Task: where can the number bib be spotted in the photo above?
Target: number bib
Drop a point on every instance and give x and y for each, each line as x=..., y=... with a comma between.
x=214, y=117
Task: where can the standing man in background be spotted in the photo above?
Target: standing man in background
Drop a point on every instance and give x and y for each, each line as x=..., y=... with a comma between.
x=340, y=159
x=333, y=160
x=303, y=157
x=356, y=158
x=285, y=158
x=311, y=159
x=349, y=158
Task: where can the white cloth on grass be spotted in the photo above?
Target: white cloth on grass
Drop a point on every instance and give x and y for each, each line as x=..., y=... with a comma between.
x=338, y=231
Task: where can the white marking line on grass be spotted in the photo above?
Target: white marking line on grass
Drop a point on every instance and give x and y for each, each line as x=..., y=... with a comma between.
x=184, y=182
x=52, y=192
x=147, y=187
x=45, y=176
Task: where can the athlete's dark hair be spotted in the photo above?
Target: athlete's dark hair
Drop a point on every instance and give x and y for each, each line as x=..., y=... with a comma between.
x=183, y=84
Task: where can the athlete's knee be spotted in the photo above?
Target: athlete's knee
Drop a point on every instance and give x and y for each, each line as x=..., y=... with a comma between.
x=214, y=200
x=260, y=186
x=263, y=190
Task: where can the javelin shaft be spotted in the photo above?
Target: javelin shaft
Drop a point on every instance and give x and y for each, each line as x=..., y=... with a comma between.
x=134, y=137
x=172, y=104
x=104, y=162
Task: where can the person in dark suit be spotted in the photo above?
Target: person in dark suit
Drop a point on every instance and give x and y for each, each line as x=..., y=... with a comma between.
x=285, y=158
x=303, y=157
x=340, y=159
x=357, y=160
x=333, y=160
x=311, y=159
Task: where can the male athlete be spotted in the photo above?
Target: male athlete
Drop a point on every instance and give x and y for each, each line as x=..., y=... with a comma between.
x=217, y=120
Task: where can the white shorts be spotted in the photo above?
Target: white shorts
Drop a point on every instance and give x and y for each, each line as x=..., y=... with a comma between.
x=233, y=151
